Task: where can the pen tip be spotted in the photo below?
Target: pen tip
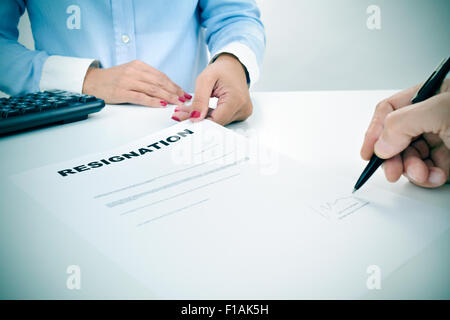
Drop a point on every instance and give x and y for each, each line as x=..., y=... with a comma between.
x=354, y=190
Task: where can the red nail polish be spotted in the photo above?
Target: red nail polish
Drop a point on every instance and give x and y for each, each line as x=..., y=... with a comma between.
x=176, y=119
x=195, y=114
x=187, y=96
x=182, y=99
x=176, y=110
x=163, y=103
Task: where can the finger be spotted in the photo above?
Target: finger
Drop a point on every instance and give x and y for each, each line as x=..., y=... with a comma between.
x=375, y=128
x=415, y=168
x=423, y=173
x=445, y=86
x=180, y=115
x=140, y=98
x=403, y=98
x=429, y=163
x=393, y=168
x=151, y=75
x=183, y=112
x=222, y=114
x=385, y=107
x=203, y=89
x=436, y=178
x=154, y=91
x=441, y=158
x=402, y=125
x=432, y=139
x=422, y=148
x=156, y=77
x=183, y=107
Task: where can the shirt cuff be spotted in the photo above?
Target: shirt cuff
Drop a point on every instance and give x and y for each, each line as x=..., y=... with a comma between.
x=245, y=56
x=65, y=73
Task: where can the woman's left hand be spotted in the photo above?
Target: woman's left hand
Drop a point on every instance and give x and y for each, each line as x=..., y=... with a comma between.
x=226, y=80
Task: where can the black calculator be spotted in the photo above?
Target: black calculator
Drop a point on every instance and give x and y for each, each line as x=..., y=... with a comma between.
x=43, y=108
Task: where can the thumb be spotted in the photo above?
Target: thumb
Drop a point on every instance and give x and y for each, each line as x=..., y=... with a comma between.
x=402, y=125
x=203, y=90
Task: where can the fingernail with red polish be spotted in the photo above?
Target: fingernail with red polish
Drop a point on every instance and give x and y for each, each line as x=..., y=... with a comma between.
x=182, y=99
x=176, y=110
x=176, y=119
x=163, y=103
x=195, y=114
x=187, y=96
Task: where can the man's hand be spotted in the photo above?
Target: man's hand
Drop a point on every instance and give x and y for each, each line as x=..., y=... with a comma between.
x=134, y=82
x=226, y=80
x=414, y=138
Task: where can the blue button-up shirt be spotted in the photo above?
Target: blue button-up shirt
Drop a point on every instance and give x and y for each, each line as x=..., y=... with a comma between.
x=171, y=35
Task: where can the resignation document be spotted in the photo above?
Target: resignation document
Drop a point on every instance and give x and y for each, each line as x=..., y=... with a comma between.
x=197, y=211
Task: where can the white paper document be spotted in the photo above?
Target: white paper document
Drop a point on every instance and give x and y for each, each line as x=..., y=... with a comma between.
x=197, y=211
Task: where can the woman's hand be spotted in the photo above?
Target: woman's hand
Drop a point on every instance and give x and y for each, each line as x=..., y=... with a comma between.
x=414, y=138
x=226, y=80
x=135, y=82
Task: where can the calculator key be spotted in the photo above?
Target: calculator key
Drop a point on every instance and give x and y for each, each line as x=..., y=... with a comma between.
x=52, y=101
x=60, y=104
x=86, y=98
x=3, y=111
x=45, y=106
x=11, y=113
x=70, y=99
x=29, y=109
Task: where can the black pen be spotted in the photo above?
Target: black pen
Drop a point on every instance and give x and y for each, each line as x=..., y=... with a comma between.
x=428, y=89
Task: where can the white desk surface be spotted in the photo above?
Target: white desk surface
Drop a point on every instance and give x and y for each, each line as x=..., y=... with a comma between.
x=312, y=127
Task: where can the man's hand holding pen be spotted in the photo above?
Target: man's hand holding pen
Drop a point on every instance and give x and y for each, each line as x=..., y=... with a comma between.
x=414, y=138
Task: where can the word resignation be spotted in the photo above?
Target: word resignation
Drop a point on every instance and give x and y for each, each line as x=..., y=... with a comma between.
x=132, y=154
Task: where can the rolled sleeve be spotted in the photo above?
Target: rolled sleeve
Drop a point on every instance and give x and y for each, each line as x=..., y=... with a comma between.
x=65, y=73
x=235, y=27
x=245, y=56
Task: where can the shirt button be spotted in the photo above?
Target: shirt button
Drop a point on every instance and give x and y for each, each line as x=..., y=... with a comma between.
x=125, y=38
